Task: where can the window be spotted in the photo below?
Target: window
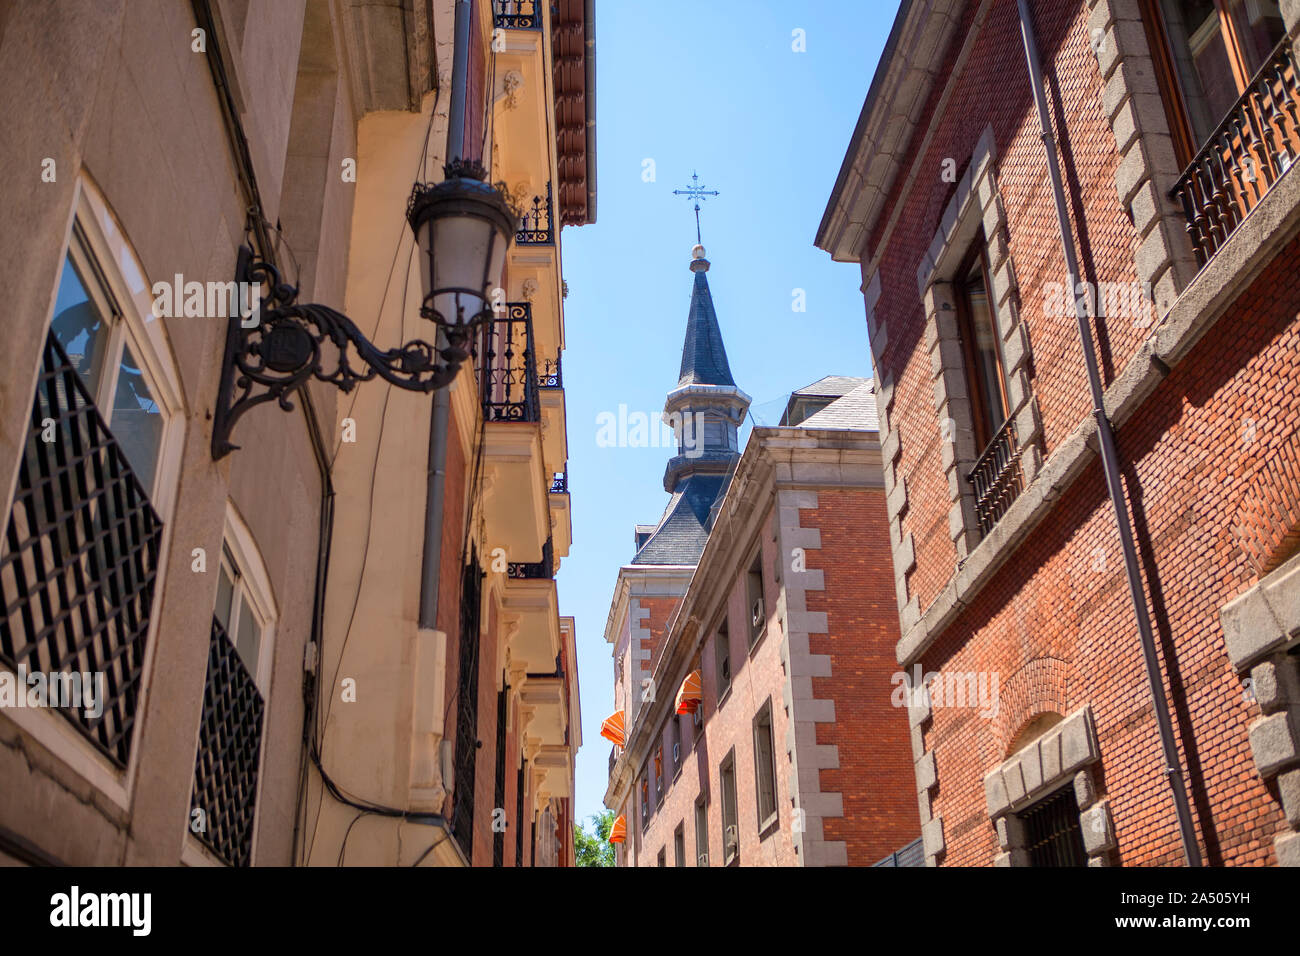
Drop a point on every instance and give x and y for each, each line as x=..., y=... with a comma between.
x=645, y=802
x=679, y=845
x=701, y=832
x=697, y=719
x=1053, y=836
x=471, y=609
x=764, y=767
x=730, y=830
x=722, y=648
x=90, y=497
x=91, y=329
x=754, y=596
x=659, y=775
x=237, y=613
x=985, y=374
x=1207, y=52
x=677, y=745
x=227, y=763
x=662, y=859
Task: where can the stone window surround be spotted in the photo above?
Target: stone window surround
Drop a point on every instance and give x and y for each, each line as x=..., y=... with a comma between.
x=107, y=243
x=1061, y=757
x=1262, y=633
x=976, y=203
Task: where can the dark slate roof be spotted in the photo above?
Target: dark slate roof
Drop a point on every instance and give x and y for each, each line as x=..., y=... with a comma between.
x=704, y=359
x=682, y=532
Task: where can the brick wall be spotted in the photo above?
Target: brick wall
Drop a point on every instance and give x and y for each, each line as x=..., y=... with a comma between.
x=870, y=734
x=1210, y=463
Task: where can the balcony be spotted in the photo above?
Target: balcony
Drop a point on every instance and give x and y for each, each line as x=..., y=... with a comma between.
x=531, y=613
x=516, y=14
x=506, y=367
x=515, y=476
x=535, y=222
x=996, y=478
x=561, y=517
x=544, y=568
x=229, y=754
x=1253, y=147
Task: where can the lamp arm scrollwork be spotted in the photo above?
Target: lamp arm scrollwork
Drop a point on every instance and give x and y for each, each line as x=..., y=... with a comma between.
x=289, y=344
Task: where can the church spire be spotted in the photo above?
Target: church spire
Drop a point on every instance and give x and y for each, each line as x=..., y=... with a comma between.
x=704, y=358
x=706, y=408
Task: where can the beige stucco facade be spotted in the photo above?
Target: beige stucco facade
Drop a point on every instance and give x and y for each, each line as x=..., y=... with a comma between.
x=126, y=144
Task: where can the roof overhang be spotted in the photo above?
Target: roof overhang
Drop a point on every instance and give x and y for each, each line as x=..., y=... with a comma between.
x=878, y=150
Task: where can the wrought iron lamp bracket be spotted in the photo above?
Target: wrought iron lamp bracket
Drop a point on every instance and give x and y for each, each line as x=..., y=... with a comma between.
x=289, y=344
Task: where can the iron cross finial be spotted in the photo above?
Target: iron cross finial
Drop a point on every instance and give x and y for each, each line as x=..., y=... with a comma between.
x=697, y=192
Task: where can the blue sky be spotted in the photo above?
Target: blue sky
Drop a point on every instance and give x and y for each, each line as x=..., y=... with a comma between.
x=713, y=88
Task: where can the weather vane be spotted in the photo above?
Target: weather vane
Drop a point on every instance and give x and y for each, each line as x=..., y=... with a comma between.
x=697, y=192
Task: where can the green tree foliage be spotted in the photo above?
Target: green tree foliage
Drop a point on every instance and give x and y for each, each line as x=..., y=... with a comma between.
x=594, y=849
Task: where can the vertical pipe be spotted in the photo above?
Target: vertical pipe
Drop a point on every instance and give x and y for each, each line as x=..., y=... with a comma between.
x=436, y=478
x=1110, y=458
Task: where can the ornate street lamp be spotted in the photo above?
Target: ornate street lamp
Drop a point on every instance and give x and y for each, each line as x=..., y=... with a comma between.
x=462, y=227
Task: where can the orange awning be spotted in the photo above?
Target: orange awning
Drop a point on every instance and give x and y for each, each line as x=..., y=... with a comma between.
x=618, y=832
x=612, y=729
x=690, y=693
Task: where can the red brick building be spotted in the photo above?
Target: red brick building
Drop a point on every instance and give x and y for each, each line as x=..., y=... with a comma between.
x=753, y=636
x=1172, y=130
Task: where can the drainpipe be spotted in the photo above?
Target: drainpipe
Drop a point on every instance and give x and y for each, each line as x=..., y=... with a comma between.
x=437, y=473
x=1110, y=459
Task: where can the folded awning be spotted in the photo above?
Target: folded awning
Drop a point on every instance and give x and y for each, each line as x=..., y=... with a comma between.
x=690, y=693
x=618, y=832
x=612, y=729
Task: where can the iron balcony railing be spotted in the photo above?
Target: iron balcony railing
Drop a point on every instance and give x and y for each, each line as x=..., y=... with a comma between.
x=560, y=482
x=79, y=560
x=535, y=223
x=230, y=748
x=517, y=14
x=524, y=570
x=1255, y=144
x=996, y=478
x=551, y=374
x=506, y=366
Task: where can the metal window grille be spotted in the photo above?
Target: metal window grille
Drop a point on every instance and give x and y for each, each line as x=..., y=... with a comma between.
x=499, y=836
x=462, y=814
x=80, y=556
x=1053, y=836
x=230, y=747
x=519, y=816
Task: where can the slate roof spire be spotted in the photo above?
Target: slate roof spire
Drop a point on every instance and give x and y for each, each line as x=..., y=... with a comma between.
x=706, y=410
x=704, y=357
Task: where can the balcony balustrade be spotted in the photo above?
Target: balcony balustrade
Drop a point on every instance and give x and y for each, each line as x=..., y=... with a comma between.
x=1256, y=143
x=516, y=14
x=535, y=222
x=996, y=477
x=506, y=367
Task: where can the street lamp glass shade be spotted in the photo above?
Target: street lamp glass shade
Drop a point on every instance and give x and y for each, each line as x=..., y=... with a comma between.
x=463, y=228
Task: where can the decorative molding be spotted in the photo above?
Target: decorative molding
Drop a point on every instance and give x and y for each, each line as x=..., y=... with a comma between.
x=1060, y=757
x=1148, y=166
x=1261, y=631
